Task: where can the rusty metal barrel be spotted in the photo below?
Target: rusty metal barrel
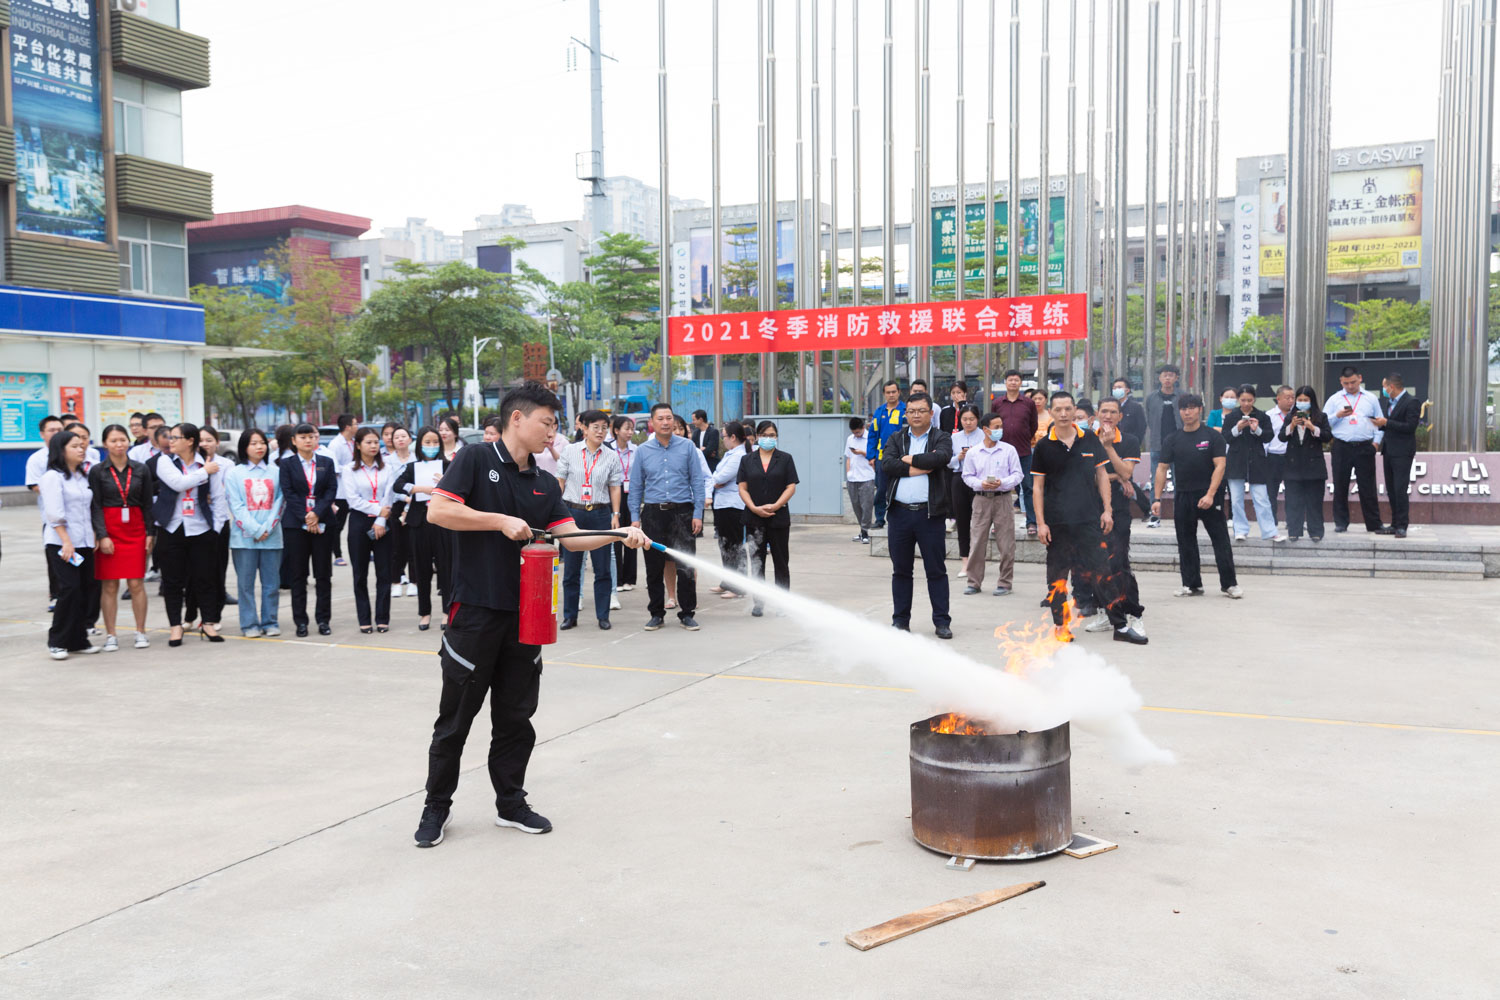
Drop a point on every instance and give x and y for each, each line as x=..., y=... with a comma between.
x=1002, y=797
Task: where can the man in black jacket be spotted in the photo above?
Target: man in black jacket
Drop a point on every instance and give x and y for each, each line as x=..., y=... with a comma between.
x=706, y=436
x=309, y=484
x=1398, y=447
x=916, y=467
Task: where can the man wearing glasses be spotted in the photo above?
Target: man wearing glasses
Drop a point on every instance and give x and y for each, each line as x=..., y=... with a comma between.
x=915, y=462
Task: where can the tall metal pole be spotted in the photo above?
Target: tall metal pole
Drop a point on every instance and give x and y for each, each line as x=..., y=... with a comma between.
x=664, y=257
x=1107, y=223
x=1122, y=201
x=716, y=226
x=888, y=180
x=1013, y=196
x=812, y=249
x=1300, y=360
x=924, y=121
x=1476, y=323
x=1071, y=244
x=596, y=131
x=1044, y=191
x=1090, y=230
x=1148, y=352
x=989, y=201
x=763, y=292
x=1174, y=215
x=857, y=229
x=1212, y=261
x=1442, y=325
x=772, y=233
x=799, y=232
x=960, y=201
x=1205, y=210
x=1190, y=211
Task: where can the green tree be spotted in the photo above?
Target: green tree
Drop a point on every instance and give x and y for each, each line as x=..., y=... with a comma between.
x=442, y=309
x=1383, y=325
x=626, y=295
x=326, y=350
x=236, y=318
x=1259, y=335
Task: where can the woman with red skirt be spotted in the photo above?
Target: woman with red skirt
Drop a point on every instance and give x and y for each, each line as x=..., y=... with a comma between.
x=125, y=533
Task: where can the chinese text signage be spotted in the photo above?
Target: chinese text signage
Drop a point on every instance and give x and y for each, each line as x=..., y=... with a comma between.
x=1244, y=301
x=23, y=404
x=54, y=71
x=924, y=324
x=945, y=237
x=1374, y=221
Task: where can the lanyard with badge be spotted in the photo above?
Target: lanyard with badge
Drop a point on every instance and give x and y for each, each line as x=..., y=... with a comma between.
x=374, y=479
x=124, y=491
x=588, y=474
x=190, y=497
x=310, y=477
x=1353, y=404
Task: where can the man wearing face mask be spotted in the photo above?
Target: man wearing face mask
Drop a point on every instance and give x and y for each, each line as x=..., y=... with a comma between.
x=992, y=471
x=1132, y=413
x=1163, y=418
x=1353, y=412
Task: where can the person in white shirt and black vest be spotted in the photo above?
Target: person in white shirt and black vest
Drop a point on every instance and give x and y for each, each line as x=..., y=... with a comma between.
x=915, y=462
x=367, y=493
x=188, y=516
x=494, y=496
x=309, y=486
x=1398, y=448
x=1352, y=413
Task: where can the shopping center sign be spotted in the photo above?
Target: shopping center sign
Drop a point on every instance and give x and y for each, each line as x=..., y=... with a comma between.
x=924, y=324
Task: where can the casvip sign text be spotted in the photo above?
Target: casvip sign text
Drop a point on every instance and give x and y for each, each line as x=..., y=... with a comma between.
x=848, y=328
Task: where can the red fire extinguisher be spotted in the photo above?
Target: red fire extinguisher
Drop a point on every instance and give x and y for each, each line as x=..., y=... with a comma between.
x=541, y=589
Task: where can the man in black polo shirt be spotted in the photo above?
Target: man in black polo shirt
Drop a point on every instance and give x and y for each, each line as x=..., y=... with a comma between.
x=1070, y=487
x=496, y=500
x=1197, y=455
x=1123, y=449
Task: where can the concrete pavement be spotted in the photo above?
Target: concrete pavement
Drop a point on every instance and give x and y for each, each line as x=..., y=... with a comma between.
x=235, y=820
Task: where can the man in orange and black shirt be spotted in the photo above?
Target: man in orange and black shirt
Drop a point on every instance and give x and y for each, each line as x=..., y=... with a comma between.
x=1071, y=493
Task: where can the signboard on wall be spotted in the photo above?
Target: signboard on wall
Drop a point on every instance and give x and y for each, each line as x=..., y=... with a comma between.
x=56, y=106
x=1244, y=299
x=122, y=395
x=945, y=238
x=1374, y=221
x=23, y=404
x=251, y=270
x=70, y=400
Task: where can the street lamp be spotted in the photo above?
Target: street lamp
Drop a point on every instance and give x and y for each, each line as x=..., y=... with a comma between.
x=317, y=399
x=479, y=345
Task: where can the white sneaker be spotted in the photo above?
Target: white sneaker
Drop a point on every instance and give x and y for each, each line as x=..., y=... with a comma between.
x=961, y=575
x=141, y=642
x=1136, y=625
x=57, y=652
x=1234, y=592
x=96, y=630
x=152, y=576
x=1188, y=592
x=614, y=603
x=626, y=586
x=395, y=590
x=111, y=644
x=89, y=649
x=271, y=631
x=1281, y=536
x=253, y=632
x=411, y=590
x=1098, y=623
x=1239, y=538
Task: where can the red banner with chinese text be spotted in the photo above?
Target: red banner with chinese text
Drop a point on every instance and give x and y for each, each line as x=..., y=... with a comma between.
x=848, y=328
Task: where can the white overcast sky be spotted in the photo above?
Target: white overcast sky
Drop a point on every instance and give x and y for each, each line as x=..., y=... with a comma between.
x=446, y=109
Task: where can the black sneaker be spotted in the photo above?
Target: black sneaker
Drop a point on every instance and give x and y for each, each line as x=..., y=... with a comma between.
x=656, y=622
x=430, y=830
x=688, y=622
x=525, y=819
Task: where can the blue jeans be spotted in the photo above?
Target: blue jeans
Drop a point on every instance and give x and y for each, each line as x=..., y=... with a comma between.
x=266, y=562
x=1260, y=497
x=588, y=520
x=911, y=530
x=880, y=491
x=1028, y=502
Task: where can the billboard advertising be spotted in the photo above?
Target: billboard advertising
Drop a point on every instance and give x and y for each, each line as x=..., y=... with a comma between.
x=1244, y=299
x=250, y=270
x=945, y=239
x=122, y=395
x=56, y=106
x=1374, y=221
x=23, y=404
x=739, y=261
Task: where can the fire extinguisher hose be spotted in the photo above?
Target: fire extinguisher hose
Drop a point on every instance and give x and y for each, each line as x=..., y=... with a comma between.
x=539, y=533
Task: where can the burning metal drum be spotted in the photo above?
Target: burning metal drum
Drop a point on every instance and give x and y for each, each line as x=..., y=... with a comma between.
x=993, y=796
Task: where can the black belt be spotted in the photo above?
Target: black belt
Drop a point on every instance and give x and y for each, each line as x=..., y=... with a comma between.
x=586, y=506
x=910, y=506
x=991, y=493
x=668, y=506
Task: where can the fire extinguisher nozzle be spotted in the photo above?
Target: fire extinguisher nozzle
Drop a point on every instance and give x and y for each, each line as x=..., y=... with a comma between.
x=658, y=546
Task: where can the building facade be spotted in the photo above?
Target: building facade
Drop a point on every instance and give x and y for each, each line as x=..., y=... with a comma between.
x=94, y=310
x=631, y=206
x=430, y=245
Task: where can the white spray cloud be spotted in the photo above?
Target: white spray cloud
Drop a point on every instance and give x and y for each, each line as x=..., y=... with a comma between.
x=1073, y=685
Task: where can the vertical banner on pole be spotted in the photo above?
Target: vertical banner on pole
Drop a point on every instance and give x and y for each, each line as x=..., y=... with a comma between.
x=682, y=278
x=1244, y=296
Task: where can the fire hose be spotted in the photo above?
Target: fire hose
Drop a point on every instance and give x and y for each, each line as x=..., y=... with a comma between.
x=541, y=583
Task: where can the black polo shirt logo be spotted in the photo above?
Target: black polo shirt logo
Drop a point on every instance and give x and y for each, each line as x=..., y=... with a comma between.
x=494, y=476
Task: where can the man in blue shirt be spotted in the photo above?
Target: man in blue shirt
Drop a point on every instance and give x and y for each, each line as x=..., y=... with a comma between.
x=887, y=420
x=666, y=502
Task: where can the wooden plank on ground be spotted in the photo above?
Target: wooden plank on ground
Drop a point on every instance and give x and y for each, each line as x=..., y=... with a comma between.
x=931, y=916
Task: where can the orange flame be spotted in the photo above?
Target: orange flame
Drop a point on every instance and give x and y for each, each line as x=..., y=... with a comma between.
x=958, y=725
x=1027, y=644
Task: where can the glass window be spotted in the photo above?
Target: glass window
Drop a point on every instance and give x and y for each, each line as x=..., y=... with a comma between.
x=166, y=231
x=129, y=88
x=168, y=271
x=133, y=227
x=153, y=256
x=164, y=11
x=148, y=119
x=160, y=97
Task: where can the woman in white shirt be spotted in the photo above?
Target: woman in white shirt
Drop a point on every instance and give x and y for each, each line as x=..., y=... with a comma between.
x=67, y=512
x=961, y=500
x=188, y=518
x=398, y=456
x=447, y=429
x=367, y=490
x=623, y=429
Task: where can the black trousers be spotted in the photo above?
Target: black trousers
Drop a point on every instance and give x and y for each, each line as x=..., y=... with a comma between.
x=729, y=527
x=443, y=542
x=1357, y=457
x=422, y=543
x=626, y=562
x=188, y=566
x=1187, y=515
x=77, y=591
x=881, y=484
x=961, y=505
x=396, y=532
x=336, y=528
x=1275, y=476
x=674, y=529
x=765, y=537
x=1082, y=550
x=190, y=598
x=361, y=548
x=1397, y=482
x=1304, y=506
x=910, y=531
x=481, y=655
x=300, y=551
x=52, y=572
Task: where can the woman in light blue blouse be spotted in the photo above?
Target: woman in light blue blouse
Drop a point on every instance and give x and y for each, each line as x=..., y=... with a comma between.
x=253, y=490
